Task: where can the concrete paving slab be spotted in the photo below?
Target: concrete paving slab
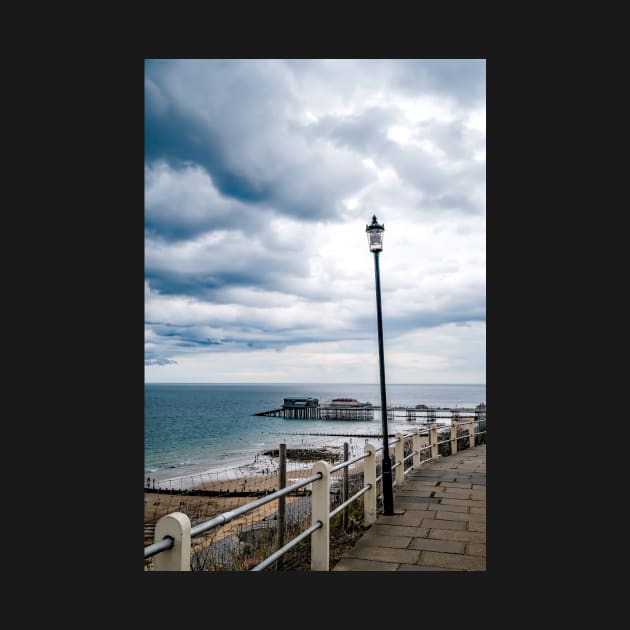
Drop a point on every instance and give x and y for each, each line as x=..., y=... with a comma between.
x=399, y=530
x=453, y=561
x=476, y=549
x=458, y=516
x=430, y=544
x=463, y=535
x=440, y=524
x=371, y=538
x=384, y=554
x=357, y=564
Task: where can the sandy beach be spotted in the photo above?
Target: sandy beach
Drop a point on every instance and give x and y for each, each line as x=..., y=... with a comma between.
x=202, y=508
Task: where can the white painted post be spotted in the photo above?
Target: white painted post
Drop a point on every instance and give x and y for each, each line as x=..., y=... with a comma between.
x=453, y=437
x=434, y=438
x=320, y=499
x=399, y=450
x=369, y=477
x=416, y=447
x=177, y=558
x=472, y=435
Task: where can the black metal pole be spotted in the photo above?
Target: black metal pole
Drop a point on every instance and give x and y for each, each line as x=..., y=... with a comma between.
x=388, y=493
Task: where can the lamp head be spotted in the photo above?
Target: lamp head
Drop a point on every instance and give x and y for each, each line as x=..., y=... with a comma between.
x=375, y=235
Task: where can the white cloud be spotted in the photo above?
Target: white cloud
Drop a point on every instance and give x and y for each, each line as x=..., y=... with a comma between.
x=260, y=177
x=444, y=354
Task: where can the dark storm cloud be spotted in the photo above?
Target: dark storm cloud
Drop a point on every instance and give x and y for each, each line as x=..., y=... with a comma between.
x=206, y=286
x=454, y=312
x=246, y=333
x=254, y=170
x=182, y=201
x=241, y=121
x=236, y=260
x=237, y=119
x=455, y=309
x=182, y=138
x=159, y=362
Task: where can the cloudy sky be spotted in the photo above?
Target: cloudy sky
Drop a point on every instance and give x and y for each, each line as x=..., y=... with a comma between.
x=260, y=177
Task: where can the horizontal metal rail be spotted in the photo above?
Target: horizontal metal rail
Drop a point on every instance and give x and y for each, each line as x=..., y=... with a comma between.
x=226, y=517
x=277, y=554
x=350, y=500
x=396, y=465
x=166, y=543
x=394, y=441
x=307, y=532
x=358, y=458
x=411, y=455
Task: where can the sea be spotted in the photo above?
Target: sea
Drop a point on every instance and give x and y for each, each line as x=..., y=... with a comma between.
x=194, y=429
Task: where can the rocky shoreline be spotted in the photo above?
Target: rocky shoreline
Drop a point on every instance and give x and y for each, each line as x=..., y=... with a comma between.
x=307, y=454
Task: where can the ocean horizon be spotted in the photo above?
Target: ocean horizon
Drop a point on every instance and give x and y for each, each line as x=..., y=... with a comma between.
x=200, y=428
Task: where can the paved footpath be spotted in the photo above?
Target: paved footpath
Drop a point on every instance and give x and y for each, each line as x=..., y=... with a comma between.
x=443, y=527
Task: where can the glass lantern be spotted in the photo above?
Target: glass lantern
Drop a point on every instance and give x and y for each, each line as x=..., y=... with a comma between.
x=375, y=235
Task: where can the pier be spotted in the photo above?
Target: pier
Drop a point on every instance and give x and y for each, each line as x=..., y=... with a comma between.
x=350, y=409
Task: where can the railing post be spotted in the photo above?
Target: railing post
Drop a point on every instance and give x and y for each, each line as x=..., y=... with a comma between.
x=399, y=454
x=472, y=434
x=369, y=477
x=344, y=496
x=282, y=483
x=320, y=538
x=453, y=437
x=434, y=438
x=416, y=447
x=177, y=558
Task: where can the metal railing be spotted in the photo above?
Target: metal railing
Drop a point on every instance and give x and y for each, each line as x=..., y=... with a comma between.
x=173, y=532
x=226, y=517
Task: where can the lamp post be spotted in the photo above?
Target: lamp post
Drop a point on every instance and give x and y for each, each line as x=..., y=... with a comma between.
x=375, y=240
